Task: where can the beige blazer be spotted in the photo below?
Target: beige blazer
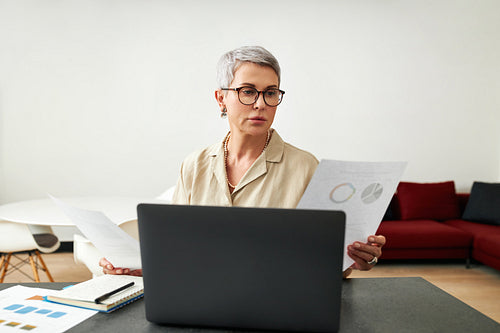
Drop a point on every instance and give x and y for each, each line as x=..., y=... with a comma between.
x=278, y=178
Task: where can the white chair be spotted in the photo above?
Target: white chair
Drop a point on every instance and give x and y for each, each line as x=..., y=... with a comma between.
x=84, y=252
x=16, y=239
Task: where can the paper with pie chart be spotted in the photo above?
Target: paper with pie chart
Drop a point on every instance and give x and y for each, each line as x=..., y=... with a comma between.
x=363, y=190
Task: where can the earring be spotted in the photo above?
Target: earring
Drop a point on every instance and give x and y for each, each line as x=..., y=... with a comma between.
x=223, y=113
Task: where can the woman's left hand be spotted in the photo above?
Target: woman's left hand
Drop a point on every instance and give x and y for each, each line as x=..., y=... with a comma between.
x=365, y=255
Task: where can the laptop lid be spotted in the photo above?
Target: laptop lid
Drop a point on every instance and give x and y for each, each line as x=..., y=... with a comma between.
x=250, y=268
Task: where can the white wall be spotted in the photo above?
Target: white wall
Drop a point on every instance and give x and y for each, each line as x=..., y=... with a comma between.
x=107, y=97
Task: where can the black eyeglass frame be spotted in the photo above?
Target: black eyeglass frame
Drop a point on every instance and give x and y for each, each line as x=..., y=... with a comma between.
x=258, y=94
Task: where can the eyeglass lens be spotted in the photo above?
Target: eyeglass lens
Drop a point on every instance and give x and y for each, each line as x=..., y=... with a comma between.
x=249, y=95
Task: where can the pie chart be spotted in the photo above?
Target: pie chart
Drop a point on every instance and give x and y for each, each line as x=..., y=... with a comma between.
x=343, y=192
x=371, y=193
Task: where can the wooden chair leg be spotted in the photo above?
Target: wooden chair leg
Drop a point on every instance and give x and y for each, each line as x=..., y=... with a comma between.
x=44, y=267
x=5, y=266
x=33, y=267
x=2, y=260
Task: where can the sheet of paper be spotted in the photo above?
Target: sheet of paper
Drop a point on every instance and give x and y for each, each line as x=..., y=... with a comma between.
x=116, y=245
x=23, y=310
x=363, y=190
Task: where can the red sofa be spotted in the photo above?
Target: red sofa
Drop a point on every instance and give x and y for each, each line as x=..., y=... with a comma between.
x=417, y=226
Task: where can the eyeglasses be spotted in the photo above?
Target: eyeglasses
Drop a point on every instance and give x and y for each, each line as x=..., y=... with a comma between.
x=250, y=95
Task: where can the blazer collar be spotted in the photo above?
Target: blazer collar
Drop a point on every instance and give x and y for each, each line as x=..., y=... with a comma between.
x=272, y=154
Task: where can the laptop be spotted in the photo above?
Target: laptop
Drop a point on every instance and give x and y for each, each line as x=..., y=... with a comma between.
x=242, y=268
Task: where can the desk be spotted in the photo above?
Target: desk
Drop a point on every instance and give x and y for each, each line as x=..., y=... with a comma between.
x=368, y=305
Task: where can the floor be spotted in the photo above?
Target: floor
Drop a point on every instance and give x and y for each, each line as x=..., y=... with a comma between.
x=478, y=286
x=61, y=266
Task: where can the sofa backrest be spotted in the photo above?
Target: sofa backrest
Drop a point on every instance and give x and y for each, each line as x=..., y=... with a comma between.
x=463, y=198
x=393, y=212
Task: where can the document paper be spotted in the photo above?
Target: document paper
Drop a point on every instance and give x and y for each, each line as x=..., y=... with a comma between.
x=363, y=190
x=22, y=309
x=121, y=249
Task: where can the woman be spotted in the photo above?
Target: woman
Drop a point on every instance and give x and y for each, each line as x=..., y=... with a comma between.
x=252, y=165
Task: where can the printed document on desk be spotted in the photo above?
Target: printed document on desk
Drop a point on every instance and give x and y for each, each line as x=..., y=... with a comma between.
x=363, y=190
x=22, y=309
x=115, y=244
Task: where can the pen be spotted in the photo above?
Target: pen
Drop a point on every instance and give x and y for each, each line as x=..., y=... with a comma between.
x=103, y=297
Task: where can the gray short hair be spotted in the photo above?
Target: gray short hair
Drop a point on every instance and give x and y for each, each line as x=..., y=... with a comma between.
x=232, y=60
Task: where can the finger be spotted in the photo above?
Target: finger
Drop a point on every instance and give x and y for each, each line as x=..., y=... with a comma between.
x=108, y=268
x=355, y=253
x=109, y=271
x=377, y=240
x=365, y=251
x=105, y=263
x=346, y=273
x=359, y=262
x=136, y=272
x=116, y=271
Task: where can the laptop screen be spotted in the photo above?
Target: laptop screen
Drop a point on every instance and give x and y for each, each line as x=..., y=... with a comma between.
x=251, y=268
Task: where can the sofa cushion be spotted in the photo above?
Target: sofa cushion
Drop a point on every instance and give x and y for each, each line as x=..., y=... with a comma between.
x=422, y=234
x=432, y=201
x=474, y=229
x=484, y=203
x=488, y=243
x=486, y=258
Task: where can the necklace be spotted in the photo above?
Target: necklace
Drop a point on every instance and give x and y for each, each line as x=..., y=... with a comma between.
x=225, y=154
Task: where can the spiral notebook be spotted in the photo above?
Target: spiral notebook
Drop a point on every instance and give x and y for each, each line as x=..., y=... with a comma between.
x=105, y=293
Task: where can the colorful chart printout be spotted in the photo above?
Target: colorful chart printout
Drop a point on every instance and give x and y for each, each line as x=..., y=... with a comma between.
x=22, y=310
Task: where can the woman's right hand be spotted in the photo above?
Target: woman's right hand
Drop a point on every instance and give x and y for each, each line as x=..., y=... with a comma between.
x=108, y=268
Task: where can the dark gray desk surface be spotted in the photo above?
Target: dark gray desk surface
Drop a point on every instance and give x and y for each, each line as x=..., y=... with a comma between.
x=368, y=305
